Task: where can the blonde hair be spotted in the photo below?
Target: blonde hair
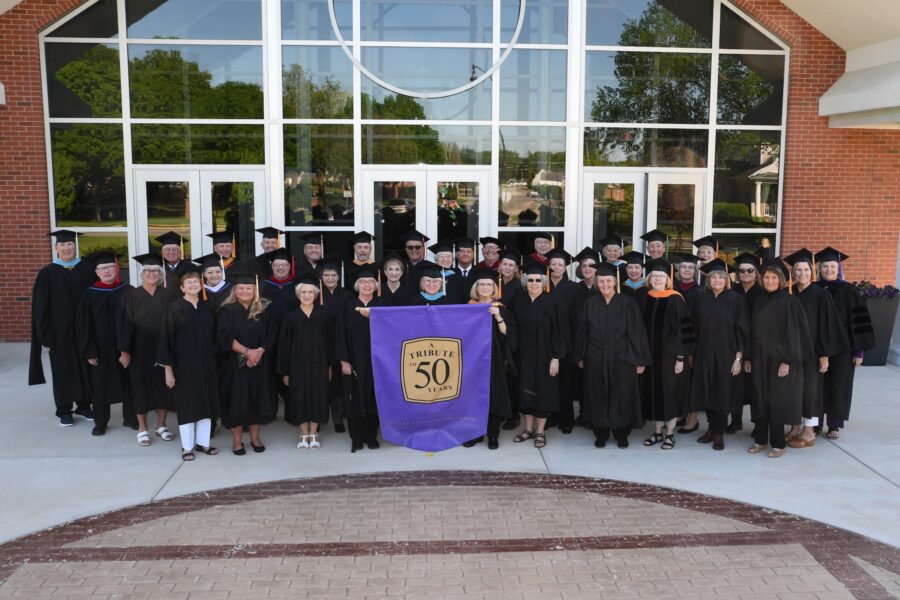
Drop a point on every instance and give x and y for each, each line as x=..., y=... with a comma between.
x=473, y=293
x=257, y=306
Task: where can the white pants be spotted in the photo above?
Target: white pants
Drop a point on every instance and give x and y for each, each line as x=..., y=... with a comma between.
x=813, y=422
x=195, y=434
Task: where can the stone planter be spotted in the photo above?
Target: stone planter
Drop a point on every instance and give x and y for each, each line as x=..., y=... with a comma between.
x=883, y=311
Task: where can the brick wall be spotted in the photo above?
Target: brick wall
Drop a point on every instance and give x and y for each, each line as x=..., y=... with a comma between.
x=841, y=186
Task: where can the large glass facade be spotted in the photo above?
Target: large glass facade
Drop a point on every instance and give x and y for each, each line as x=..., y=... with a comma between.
x=608, y=89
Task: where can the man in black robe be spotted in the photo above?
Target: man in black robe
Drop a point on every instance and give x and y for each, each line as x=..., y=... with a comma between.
x=657, y=244
x=174, y=263
x=335, y=299
x=510, y=288
x=363, y=254
x=271, y=240
x=453, y=284
x=54, y=300
x=414, y=244
x=224, y=246
x=312, y=246
x=746, y=266
x=566, y=293
x=465, y=265
x=96, y=324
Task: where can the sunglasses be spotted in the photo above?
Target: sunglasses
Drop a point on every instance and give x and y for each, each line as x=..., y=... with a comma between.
x=588, y=266
x=414, y=247
x=746, y=270
x=535, y=280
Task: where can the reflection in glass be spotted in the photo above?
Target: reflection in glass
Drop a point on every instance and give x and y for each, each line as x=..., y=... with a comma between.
x=395, y=214
x=107, y=241
x=463, y=21
x=308, y=19
x=751, y=89
x=738, y=34
x=168, y=209
x=88, y=174
x=232, y=206
x=546, y=21
x=647, y=87
x=192, y=20
x=196, y=82
x=318, y=175
x=83, y=80
x=660, y=23
x=457, y=209
x=98, y=21
x=523, y=240
x=426, y=144
x=425, y=69
x=198, y=144
x=532, y=176
x=745, y=190
x=317, y=83
x=645, y=147
x=675, y=214
x=335, y=243
x=613, y=210
x=732, y=244
x=533, y=86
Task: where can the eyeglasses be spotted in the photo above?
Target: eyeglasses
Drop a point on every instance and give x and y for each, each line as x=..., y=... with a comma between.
x=746, y=271
x=414, y=247
x=588, y=266
x=534, y=280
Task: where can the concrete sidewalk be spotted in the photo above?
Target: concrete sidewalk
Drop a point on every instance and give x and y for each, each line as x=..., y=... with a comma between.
x=54, y=475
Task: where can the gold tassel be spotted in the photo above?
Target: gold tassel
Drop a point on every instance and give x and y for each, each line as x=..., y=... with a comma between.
x=379, y=282
x=257, y=288
x=499, y=286
x=180, y=247
x=814, y=275
x=552, y=242
x=618, y=282
x=791, y=281
x=321, y=294
x=222, y=264
x=671, y=277
x=233, y=245
x=547, y=288
x=322, y=245
x=203, y=286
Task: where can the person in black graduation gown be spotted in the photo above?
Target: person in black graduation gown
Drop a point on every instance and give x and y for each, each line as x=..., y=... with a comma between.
x=95, y=330
x=432, y=288
x=828, y=339
x=631, y=277
x=465, y=265
x=669, y=331
x=722, y=329
x=334, y=297
x=138, y=337
x=746, y=266
x=353, y=347
x=510, y=287
x=657, y=243
x=453, y=285
x=187, y=352
x=612, y=349
x=586, y=273
x=54, y=300
x=394, y=292
x=224, y=243
x=485, y=290
x=304, y=351
x=278, y=288
x=175, y=264
x=854, y=315
x=363, y=254
x=686, y=275
x=215, y=287
x=781, y=348
x=540, y=350
x=246, y=334
x=414, y=244
x=490, y=248
x=565, y=292
x=312, y=245
x=271, y=241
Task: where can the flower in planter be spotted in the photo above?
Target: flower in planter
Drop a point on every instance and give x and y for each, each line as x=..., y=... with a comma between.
x=867, y=289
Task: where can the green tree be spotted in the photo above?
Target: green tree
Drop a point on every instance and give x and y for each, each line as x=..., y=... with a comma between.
x=94, y=78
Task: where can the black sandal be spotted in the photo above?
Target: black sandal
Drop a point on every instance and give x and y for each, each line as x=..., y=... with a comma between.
x=540, y=440
x=669, y=443
x=187, y=456
x=209, y=450
x=654, y=439
x=524, y=435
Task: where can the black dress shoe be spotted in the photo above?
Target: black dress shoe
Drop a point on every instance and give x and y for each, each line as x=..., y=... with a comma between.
x=373, y=445
x=599, y=443
x=356, y=446
x=258, y=449
x=240, y=451
x=130, y=424
x=550, y=424
x=511, y=424
x=622, y=443
x=471, y=443
x=689, y=430
x=734, y=426
x=85, y=413
x=718, y=442
x=339, y=427
x=98, y=430
x=565, y=430
x=493, y=444
x=706, y=437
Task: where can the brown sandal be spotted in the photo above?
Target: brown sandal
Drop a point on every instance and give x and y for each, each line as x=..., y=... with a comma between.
x=524, y=435
x=540, y=440
x=210, y=450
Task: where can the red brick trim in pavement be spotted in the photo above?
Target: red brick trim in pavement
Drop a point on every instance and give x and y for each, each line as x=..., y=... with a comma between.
x=830, y=546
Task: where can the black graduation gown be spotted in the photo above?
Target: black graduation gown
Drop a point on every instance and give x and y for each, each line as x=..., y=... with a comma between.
x=349, y=273
x=214, y=299
x=171, y=280
x=261, y=266
x=282, y=296
x=669, y=330
x=412, y=274
x=95, y=330
x=722, y=329
x=503, y=349
x=353, y=344
x=465, y=284
x=420, y=300
x=404, y=296
x=744, y=382
x=612, y=342
x=828, y=339
x=540, y=340
x=247, y=396
x=304, y=267
x=335, y=303
x=457, y=289
x=187, y=342
x=855, y=320
x=54, y=301
x=304, y=350
x=780, y=335
x=639, y=295
x=140, y=317
x=686, y=291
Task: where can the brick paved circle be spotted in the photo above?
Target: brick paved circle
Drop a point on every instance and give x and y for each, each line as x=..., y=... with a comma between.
x=447, y=534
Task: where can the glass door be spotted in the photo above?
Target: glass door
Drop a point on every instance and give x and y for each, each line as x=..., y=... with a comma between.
x=167, y=201
x=234, y=201
x=675, y=206
x=455, y=204
x=613, y=203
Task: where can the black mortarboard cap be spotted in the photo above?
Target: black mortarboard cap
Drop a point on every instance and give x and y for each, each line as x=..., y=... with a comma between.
x=445, y=246
x=684, y=257
x=533, y=267
x=775, y=264
x=830, y=254
x=477, y=274
x=634, y=258
x=209, y=260
x=279, y=254
x=311, y=238
x=464, y=242
x=170, y=237
x=605, y=269
x=491, y=240
x=511, y=254
x=103, y=257
x=747, y=258
x=801, y=255
x=151, y=259
x=363, y=237
x=707, y=240
x=332, y=262
x=270, y=232
x=659, y=264
x=242, y=277
x=588, y=253
x=64, y=235
x=611, y=240
x=308, y=279
x=717, y=264
x=655, y=235
x=221, y=237
x=415, y=236
x=541, y=235
x=429, y=269
x=560, y=253
x=369, y=270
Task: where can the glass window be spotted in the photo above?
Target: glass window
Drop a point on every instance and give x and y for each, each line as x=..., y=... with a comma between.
x=661, y=23
x=318, y=175
x=426, y=144
x=532, y=176
x=645, y=147
x=613, y=210
x=457, y=209
x=738, y=34
x=233, y=205
x=546, y=21
x=317, y=83
x=732, y=244
x=533, y=86
x=425, y=69
x=395, y=215
x=745, y=189
x=461, y=21
x=192, y=20
x=675, y=204
x=169, y=209
x=523, y=241
x=196, y=82
x=647, y=87
x=308, y=19
x=98, y=21
x=107, y=241
x=198, y=144
x=83, y=80
x=751, y=89
x=88, y=174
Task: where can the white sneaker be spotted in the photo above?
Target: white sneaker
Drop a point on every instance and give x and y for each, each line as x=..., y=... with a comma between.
x=303, y=444
x=314, y=441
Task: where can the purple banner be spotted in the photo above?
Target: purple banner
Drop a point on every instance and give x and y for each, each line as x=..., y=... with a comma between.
x=432, y=369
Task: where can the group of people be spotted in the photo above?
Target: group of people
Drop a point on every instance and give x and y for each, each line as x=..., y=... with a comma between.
x=628, y=337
